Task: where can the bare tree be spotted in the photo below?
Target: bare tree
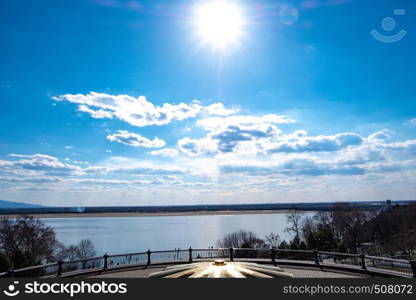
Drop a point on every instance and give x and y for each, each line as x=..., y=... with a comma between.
x=309, y=226
x=241, y=239
x=27, y=241
x=349, y=224
x=85, y=249
x=273, y=240
x=66, y=253
x=26, y=234
x=294, y=223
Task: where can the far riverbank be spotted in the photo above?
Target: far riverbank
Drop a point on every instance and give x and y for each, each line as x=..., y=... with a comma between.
x=191, y=210
x=155, y=214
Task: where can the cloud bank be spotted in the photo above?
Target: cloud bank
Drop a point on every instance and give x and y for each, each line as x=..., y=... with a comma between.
x=139, y=111
x=212, y=152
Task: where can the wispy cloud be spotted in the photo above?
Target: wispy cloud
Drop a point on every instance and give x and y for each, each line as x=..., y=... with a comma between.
x=300, y=142
x=45, y=164
x=300, y=166
x=135, y=140
x=168, y=152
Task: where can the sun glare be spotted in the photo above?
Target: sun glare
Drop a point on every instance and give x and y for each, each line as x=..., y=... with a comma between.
x=219, y=23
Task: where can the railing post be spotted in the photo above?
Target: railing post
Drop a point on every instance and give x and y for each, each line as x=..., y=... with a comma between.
x=105, y=257
x=190, y=254
x=362, y=256
x=148, y=257
x=273, y=255
x=413, y=264
x=10, y=273
x=60, y=263
x=316, y=255
x=231, y=254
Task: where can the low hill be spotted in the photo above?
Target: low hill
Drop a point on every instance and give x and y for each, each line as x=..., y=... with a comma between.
x=10, y=204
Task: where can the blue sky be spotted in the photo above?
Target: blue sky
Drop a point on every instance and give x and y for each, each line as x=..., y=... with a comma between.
x=110, y=102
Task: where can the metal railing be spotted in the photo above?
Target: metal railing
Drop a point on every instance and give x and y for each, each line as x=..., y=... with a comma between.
x=353, y=262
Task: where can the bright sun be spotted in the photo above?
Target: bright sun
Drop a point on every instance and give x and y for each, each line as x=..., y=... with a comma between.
x=219, y=23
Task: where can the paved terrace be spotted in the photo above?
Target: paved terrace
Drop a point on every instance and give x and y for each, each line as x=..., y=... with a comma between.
x=144, y=272
x=301, y=263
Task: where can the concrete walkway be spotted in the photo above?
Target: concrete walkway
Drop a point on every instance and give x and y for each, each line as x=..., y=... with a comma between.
x=297, y=272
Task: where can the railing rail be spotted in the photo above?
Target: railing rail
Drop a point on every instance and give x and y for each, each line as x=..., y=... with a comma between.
x=387, y=259
x=35, y=267
x=397, y=267
x=125, y=254
x=81, y=260
x=339, y=254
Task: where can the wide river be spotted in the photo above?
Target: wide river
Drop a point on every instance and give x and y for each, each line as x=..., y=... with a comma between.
x=115, y=235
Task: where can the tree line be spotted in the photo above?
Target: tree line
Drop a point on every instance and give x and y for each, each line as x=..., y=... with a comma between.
x=386, y=232
x=26, y=241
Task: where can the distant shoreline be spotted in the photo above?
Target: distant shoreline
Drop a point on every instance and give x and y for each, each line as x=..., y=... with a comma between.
x=191, y=210
x=154, y=214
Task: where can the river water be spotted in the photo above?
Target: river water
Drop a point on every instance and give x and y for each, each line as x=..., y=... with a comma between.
x=115, y=235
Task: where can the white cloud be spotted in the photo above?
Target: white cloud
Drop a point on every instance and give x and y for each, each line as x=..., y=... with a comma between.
x=37, y=179
x=127, y=166
x=409, y=145
x=77, y=162
x=97, y=114
x=380, y=135
x=261, y=135
x=218, y=109
x=135, y=140
x=99, y=181
x=264, y=122
x=44, y=164
x=168, y=152
x=226, y=134
x=135, y=111
x=361, y=155
x=5, y=163
x=139, y=111
x=292, y=166
x=195, y=147
x=45, y=172
x=413, y=122
x=321, y=143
